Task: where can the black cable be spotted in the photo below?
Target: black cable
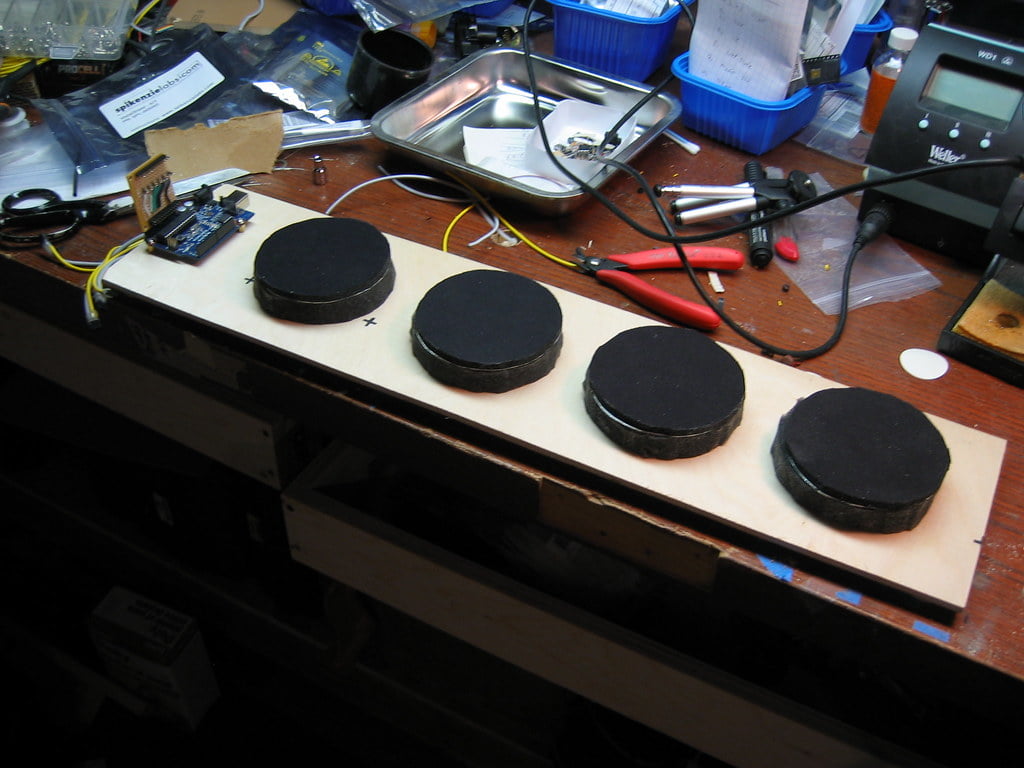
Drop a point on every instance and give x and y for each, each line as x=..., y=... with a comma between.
x=611, y=138
x=875, y=223
x=680, y=240
x=1017, y=160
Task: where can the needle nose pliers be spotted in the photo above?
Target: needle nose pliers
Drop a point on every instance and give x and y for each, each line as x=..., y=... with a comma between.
x=615, y=271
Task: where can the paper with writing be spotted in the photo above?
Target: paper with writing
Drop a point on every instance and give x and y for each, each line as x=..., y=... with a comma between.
x=749, y=46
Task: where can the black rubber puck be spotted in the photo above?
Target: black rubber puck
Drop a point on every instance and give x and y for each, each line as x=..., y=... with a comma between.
x=860, y=460
x=487, y=331
x=664, y=392
x=323, y=271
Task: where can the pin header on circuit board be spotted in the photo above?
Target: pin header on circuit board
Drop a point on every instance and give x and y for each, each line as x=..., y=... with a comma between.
x=188, y=228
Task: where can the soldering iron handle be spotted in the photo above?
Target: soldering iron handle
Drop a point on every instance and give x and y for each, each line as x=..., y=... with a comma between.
x=667, y=304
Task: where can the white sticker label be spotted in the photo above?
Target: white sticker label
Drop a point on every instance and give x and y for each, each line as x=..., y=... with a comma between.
x=162, y=96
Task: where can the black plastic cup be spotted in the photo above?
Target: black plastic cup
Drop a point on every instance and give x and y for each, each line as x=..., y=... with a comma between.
x=385, y=66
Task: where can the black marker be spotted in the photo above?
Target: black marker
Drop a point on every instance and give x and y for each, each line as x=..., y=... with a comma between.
x=760, y=234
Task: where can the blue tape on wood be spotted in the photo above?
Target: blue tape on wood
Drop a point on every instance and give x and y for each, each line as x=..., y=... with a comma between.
x=928, y=629
x=849, y=596
x=778, y=570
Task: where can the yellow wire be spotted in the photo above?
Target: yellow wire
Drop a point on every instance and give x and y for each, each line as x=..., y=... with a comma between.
x=14, y=63
x=451, y=226
x=61, y=260
x=90, y=282
x=546, y=254
x=142, y=14
x=533, y=245
x=490, y=208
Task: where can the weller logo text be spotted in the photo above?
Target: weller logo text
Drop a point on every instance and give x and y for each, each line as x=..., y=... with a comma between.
x=944, y=155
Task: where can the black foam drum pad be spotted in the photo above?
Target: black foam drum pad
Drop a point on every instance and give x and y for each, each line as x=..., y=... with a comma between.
x=487, y=331
x=664, y=392
x=860, y=460
x=323, y=271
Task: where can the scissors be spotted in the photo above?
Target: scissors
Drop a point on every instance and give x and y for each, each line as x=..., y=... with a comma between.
x=31, y=216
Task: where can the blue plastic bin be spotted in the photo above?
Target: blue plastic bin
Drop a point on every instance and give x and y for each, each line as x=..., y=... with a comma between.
x=855, y=54
x=488, y=10
x=625, y=46
x=752, y=125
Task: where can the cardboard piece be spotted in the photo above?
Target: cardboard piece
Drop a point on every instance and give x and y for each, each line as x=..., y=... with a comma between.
x=225, y=15
x=157, y=653
x=251, y=143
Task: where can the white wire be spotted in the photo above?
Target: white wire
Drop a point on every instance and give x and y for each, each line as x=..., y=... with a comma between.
x=123, y=249
x=441, y=198
x=492, y=220
x=397, y=178
x=251, y=16
x=393, y=177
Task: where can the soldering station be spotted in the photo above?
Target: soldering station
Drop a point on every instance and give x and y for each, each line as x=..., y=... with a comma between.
x=959, y=99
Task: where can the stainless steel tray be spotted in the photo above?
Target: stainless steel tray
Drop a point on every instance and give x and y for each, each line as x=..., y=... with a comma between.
x=491, y=89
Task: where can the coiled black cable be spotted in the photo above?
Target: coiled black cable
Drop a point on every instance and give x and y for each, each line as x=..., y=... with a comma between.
x=671, y=237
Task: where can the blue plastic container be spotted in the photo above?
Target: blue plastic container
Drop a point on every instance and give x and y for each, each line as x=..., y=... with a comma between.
x=625, y=46
x=489, y=10
x=752, y=125
x=855, y=54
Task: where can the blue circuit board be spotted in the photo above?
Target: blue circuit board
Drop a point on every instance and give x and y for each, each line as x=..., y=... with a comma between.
x=190, y=230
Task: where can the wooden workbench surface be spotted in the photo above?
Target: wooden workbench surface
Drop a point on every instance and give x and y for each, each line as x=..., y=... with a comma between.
x=986, y=633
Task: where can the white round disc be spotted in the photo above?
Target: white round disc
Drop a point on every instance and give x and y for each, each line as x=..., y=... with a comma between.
x=923, y=363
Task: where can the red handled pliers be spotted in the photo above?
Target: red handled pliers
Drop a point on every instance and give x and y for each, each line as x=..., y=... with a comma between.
x=614, y=270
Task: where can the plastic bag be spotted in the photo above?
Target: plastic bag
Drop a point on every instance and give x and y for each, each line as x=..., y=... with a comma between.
x=190, y=76
x=384, y=14
x=309, y=70
x=883, y=271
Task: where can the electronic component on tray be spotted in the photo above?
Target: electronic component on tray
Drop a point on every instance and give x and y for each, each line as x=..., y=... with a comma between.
x=579, y=146
x=190, y=228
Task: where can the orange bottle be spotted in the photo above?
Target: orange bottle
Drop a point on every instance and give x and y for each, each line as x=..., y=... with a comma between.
x=884, y=71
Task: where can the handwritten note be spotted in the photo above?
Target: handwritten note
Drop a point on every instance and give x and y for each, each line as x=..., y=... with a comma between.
x=749, y=46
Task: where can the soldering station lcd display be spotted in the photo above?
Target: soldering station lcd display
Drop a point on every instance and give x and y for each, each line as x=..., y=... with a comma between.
x=971, y=96
x=960, y=97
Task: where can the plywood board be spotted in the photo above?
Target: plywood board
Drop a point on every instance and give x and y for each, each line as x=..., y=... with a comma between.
x=734, y=483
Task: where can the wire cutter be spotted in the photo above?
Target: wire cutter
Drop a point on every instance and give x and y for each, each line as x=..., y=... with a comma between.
x=615, y=271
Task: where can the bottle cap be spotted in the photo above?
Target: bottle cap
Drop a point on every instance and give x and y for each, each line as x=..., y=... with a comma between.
x=902, y=38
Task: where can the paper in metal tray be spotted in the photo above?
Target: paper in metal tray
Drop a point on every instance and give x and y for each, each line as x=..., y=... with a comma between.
x=491, y=89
